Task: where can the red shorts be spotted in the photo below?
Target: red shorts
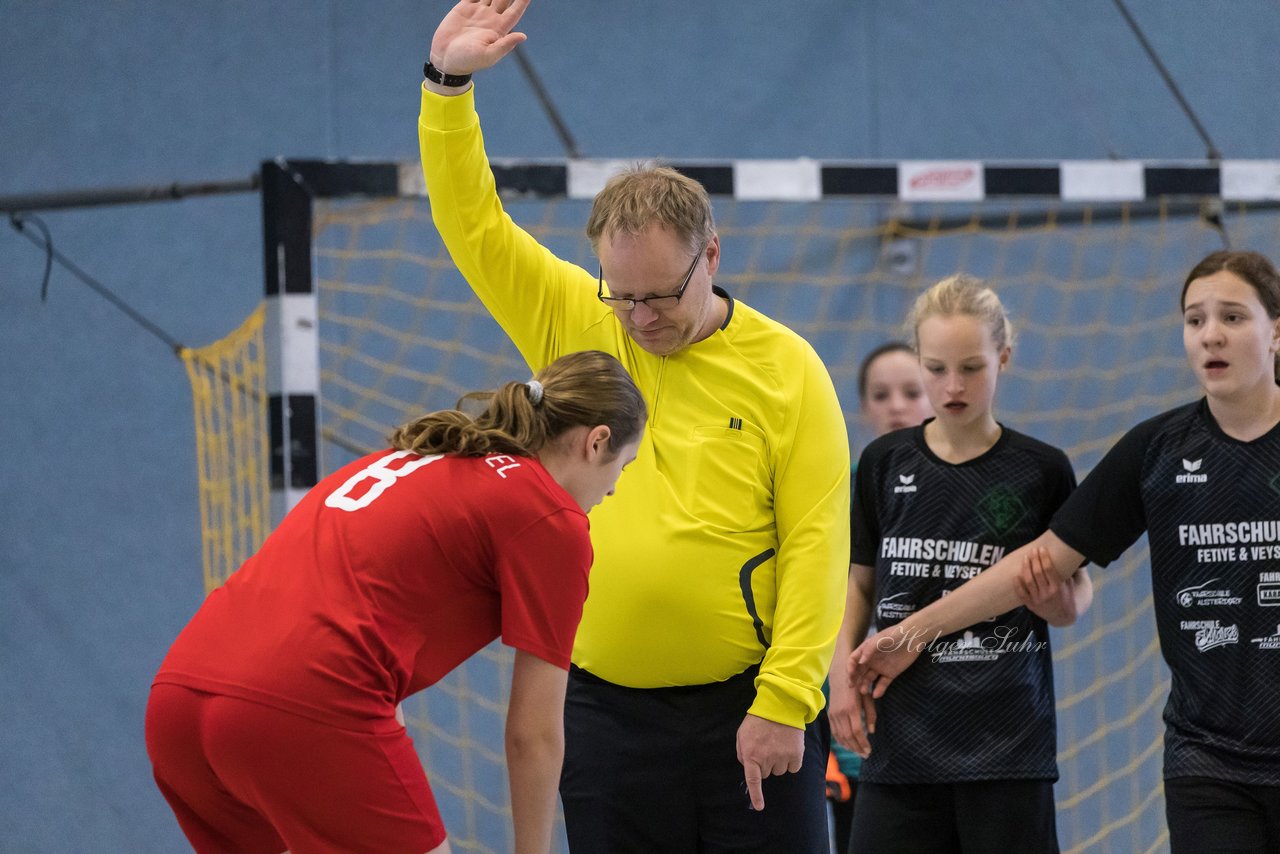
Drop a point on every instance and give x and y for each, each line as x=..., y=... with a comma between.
x=244, y=777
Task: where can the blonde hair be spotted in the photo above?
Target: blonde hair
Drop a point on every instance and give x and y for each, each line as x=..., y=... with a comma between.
x=588, y=389
x=961, y=294
x=642, y=196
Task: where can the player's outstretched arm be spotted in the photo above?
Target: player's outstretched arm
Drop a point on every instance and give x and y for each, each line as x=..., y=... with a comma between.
x=1059, y=601
x=535, y=749
x=475, y=35
x=877, y=662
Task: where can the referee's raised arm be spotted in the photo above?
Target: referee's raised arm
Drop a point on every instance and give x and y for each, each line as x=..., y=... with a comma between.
x=475, y=35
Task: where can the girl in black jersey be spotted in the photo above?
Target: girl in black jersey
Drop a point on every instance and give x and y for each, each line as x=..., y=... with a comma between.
x=963, y=759
x=1203, y=482
x=890, y=396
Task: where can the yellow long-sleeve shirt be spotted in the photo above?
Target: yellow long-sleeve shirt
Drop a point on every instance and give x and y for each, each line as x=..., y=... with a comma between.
x=728, y=539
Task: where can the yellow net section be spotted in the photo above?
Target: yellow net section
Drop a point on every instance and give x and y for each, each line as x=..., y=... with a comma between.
x=228, y=388
x=1093, y=294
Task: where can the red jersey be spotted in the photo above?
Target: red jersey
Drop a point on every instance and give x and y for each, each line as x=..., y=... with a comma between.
x=387, y=575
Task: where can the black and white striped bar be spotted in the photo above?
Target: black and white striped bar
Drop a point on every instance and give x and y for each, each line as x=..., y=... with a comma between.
x=907, y=180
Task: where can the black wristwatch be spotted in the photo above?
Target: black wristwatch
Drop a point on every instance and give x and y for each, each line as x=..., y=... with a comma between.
x=435, y=75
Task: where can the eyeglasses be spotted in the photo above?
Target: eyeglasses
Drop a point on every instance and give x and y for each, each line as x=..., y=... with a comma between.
x=658, y=303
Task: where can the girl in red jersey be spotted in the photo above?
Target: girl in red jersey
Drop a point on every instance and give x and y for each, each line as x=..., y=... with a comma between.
x=272, y=721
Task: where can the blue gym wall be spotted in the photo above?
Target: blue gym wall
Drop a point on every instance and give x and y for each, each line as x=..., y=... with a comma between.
x=99, y=551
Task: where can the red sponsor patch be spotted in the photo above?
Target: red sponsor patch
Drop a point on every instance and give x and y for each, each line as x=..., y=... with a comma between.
x=943, y=178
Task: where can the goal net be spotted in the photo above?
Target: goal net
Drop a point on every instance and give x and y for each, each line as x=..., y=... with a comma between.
x=1090, y=273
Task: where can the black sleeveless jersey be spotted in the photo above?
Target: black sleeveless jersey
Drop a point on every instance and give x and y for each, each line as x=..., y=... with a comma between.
x=978, y=704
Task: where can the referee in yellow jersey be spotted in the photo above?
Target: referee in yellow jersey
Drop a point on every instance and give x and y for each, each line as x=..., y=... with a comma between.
x=721, y=565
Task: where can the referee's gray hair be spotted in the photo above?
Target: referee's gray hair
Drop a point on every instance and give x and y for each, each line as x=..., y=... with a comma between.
x=961, y=294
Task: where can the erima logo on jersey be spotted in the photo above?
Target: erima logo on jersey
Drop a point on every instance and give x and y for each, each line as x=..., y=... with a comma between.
x=1190, y=476
x=1198, y=595
x=1211, y=634
x=906, y=483
x=1268, y=642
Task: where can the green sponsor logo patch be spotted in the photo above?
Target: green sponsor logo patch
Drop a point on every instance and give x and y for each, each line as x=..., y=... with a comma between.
x=1001, y=509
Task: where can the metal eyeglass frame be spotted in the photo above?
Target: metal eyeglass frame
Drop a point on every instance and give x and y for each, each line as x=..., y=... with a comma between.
x=657, y=303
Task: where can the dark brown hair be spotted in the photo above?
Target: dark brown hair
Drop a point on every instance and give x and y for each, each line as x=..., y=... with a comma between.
x=1253, y=268
x=584, y=389
x=869, y=359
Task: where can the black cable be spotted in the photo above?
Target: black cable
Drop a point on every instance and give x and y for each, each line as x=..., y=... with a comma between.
x=18, y=222
x=45, y=242
x=124, y=195
x=553, y=115
x=1212, y=152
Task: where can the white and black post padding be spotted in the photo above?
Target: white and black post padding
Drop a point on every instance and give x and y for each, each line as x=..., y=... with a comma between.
x=289, y=190
x=293, y=369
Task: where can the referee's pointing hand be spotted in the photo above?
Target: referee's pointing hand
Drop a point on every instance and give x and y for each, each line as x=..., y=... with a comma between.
x=765, y=749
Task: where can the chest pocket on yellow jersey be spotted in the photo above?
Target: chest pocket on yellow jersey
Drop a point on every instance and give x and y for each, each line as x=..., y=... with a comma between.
x=731, y=486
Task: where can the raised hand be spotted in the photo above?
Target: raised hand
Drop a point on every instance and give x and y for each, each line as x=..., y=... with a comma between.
x=476, y=34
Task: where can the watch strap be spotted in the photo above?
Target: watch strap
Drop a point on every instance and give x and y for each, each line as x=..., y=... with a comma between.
x=435, y=75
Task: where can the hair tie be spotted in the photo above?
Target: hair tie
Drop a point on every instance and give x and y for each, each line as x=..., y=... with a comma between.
x=535, y=391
